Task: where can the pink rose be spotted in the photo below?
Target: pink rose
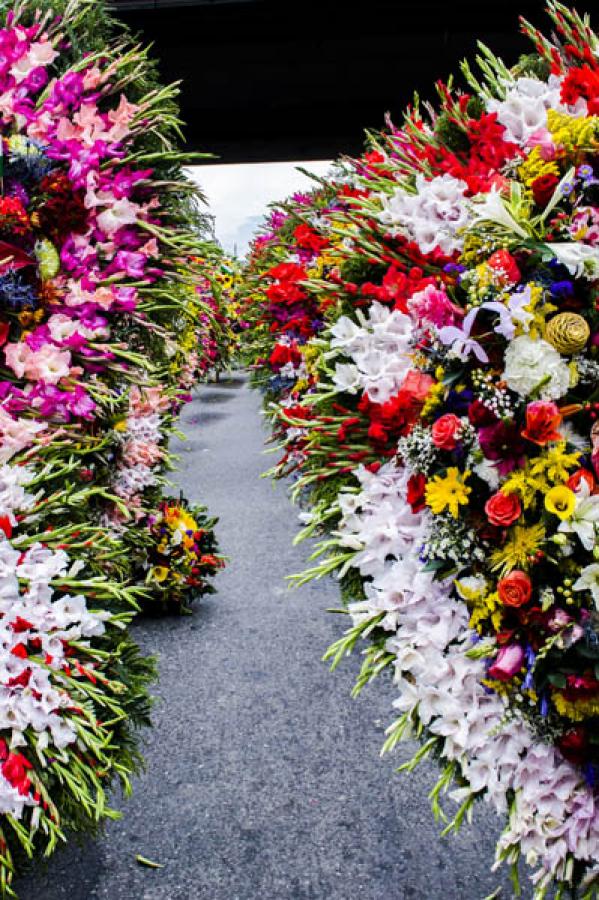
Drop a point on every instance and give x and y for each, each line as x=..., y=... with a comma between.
x=445, y=432
x=508, y=663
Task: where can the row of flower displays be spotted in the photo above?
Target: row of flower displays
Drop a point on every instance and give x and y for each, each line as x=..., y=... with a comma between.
x=424, y=326
x=101, y=303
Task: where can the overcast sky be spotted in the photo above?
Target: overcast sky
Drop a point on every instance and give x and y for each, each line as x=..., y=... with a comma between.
x=239, y=194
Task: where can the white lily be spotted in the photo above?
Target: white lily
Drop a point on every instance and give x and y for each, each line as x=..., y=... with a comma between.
x=589, y=581
x=493, y=209
x=579, y=259
x=584, y=518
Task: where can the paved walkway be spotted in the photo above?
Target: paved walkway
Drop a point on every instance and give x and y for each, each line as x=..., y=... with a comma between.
x=264, y=780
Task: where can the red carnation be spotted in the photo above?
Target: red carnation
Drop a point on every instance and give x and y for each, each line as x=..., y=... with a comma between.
x=480, y=415
x=416, y=492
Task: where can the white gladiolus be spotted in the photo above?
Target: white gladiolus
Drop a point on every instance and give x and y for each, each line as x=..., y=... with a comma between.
x=433, y=217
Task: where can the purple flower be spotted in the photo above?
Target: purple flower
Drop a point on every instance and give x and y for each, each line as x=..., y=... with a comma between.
x=503, y=444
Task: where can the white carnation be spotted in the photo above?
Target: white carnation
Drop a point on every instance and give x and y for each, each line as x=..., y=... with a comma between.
x=530, y=362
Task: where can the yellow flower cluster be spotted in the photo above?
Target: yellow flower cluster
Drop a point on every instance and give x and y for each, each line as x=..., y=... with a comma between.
x=552, y=467
x=434, y=398
x=482, y=605
x=572, y=134
x=534, y=166
x=576, y=710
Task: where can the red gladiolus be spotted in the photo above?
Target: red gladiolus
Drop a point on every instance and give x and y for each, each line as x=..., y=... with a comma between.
x=515, y=589
x=15, y=769
x=503, y=509
x=307, y=239
x=6, y=526
x=543, y=418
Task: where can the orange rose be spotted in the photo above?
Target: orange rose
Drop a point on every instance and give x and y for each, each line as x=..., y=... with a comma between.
x=515, y=589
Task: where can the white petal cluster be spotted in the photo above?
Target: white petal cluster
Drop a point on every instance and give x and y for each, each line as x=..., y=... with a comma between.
x=433, y=217
x=380, y=350
x=523, y=111
x=37, y=625
x=553, y=812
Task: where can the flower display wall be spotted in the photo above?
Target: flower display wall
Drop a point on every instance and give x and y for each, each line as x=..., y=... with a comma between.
x=97, y=227
x=424, y=328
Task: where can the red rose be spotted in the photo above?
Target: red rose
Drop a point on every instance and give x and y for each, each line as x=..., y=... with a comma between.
x=542, y=421
x=515, y=589
x=543, y=188
x=503, y=509
x=503, y=263
x=445, y=432
x=416, y=490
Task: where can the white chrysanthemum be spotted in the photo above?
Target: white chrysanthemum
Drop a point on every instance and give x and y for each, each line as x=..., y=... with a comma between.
x=433, y=216
x=534, y=365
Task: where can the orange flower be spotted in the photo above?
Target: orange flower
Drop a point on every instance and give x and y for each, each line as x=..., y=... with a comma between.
x=543, y=418
x=515, y=589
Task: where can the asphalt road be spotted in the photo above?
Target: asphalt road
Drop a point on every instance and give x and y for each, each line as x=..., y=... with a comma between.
x=263, y=778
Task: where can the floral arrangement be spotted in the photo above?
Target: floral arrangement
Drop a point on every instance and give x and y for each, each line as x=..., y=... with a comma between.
x=185, y=554
x=425, y=326
x=216, y=322
x=95, y=225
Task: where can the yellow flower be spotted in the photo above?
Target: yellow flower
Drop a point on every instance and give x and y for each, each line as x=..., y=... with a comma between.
x=121, y=425
x=433, y=399
x=448, y=491
x=526, y=487
x=560, y=501
x=535, y=166
x=572, y=133
x=159, y=573
x=555, y=464
x=522, y=542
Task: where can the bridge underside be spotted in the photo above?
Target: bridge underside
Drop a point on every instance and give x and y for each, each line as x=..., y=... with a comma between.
x=278, y=81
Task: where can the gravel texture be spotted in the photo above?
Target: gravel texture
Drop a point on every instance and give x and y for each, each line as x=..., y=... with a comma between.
x=264, y=780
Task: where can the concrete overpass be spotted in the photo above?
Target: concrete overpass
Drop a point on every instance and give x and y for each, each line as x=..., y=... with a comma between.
x=267, y=80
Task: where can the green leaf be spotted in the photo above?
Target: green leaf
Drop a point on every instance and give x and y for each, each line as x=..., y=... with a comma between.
x=150, y=864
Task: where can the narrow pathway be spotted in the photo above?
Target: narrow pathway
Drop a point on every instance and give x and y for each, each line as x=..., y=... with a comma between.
x=264, y=780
